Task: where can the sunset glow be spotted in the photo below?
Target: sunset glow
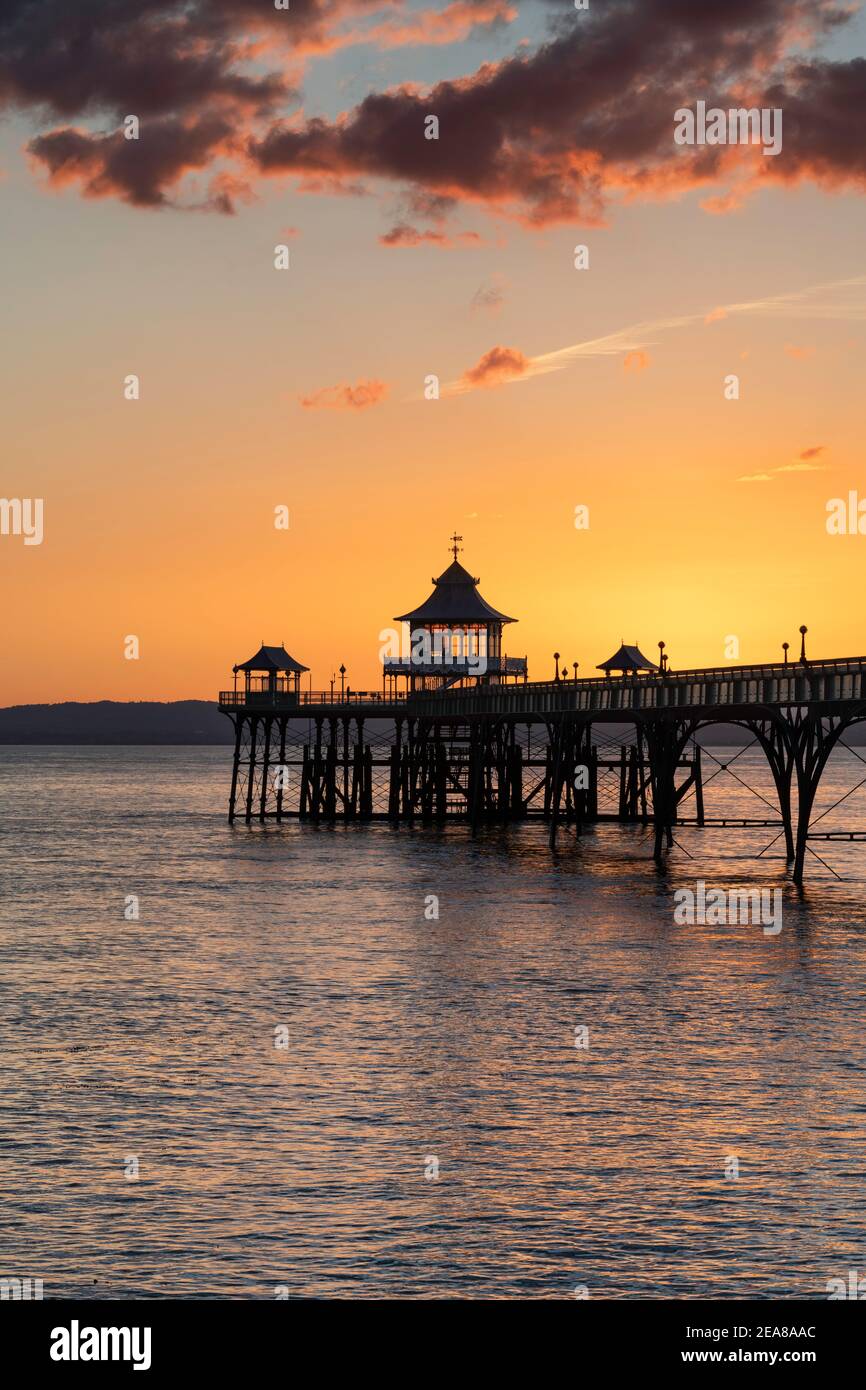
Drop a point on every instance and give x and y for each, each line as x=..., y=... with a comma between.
x=304, y=388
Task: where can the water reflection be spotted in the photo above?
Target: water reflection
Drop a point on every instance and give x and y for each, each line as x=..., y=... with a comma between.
x=411, y=1038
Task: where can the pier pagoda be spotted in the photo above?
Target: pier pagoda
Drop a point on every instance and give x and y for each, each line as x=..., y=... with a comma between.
x=628, y=661
x=454, y=638
x=270, y=677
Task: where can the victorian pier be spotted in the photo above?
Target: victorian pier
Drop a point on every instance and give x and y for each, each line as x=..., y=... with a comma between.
x=458, y=730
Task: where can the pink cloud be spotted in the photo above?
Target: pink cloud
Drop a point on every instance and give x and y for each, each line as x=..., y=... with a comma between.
x=346, y=397
x=498, y=365
x=636, y=361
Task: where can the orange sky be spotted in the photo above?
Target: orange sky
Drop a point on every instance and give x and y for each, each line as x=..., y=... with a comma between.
x=159, y=512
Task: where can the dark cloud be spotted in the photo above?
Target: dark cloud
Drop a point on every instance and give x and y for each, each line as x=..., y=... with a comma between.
x=96, y=57
x=824, y=107
x=550, y=135
x=546, y=135
x=490, y=296
x=138, y=171
x=196, y=72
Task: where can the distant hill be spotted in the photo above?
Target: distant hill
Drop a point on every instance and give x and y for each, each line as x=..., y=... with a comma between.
x=199, y=721
x=114, y=721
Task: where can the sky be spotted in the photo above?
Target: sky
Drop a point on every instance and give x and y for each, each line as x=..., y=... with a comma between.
x=409, y=258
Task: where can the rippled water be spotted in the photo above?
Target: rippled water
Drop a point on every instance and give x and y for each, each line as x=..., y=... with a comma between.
x=410, y=1040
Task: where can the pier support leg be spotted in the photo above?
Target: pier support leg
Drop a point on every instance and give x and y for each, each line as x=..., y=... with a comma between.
x=395, y=774
x=267, y=725
x=367, y=784
x=568, y=753
x=306, y=778
x=518, y=808
x=814, y=738
x=699, y=784
x=331, y=778
x=665, y=742
x=254, y=733
x=556, y=781
x=238, y=723
x=283, y=769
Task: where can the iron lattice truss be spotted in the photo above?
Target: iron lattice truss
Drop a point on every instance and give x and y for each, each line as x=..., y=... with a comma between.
x=570, y=769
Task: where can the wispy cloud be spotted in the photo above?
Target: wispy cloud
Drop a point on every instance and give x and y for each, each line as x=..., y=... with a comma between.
x=404, y=234
x=346, y=397
x=491, y=295
x=806, y=462
x=836, y=300
x=805, y=303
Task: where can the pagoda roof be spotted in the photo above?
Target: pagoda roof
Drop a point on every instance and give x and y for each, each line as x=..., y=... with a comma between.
x=455, y=600
x=271, y=659
x=628, y=659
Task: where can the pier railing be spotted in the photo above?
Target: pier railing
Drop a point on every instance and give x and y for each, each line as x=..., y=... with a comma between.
x=836, y=679
x=833, y=680
x=284, y=700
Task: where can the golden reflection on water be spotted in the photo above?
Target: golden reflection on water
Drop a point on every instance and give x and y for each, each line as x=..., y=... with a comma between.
x=411, y=1039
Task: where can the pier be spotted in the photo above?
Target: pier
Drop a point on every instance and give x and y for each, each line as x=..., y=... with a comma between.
x=458, y=731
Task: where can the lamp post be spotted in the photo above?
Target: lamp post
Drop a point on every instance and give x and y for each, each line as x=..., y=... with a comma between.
x=342, y=682
x=663, y=661
x=556, y=659
x=803, y=631
x=576, y=664
x=785, y=646
x=333, y=678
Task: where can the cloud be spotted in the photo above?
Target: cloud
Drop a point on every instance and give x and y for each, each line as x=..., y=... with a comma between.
x=720, y=204
x=181, y=66
x=799, y=353
x=405, y=235
x=636, y=361
x=547, y=136
x=346, y=397
x=490, y=296
x=457, y=21
x=805, y=464
x=836, y=299
x=496, y=366
x=550, y=134
x=141, y=172
x=153, y=58
x=807, y=461
x=715, y=315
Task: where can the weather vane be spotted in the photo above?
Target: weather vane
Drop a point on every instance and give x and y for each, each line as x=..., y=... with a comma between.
x=454, y=546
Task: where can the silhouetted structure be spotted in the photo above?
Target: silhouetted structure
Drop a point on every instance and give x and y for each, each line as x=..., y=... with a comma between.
x=454, y=637
x=627, y=661
x=270, y=672
x=471, y=745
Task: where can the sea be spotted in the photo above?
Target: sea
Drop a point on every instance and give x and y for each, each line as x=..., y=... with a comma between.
x=360, y=1061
